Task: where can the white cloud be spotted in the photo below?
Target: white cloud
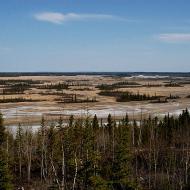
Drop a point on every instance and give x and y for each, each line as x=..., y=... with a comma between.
x=174, y=37
x=59, y=18
x=56, y=18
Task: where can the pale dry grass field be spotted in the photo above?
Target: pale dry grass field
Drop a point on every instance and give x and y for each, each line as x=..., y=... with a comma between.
x=47, y=104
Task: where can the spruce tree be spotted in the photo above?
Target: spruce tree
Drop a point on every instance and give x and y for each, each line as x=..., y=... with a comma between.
x=109, y=124
x=5, y=178
x=95, y=124
x=126, y=120
x=2, y=130
x=122, y=166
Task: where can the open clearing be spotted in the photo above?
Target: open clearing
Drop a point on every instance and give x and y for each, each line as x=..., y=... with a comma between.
x=45, y=96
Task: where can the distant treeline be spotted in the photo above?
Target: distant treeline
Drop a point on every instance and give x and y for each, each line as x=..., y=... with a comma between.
x=173, y=85
x=83, y=89
x=14, y=81
x=124, y=84
x=152, y=85
x=132, y=84
x=122, y=96
x=78, y=83
x=122, y=74
x=17, y=88
x=173, y=97
x=184, y=82
x=73, y=98
x=58, y=87
x=15, y=100
x=63, y=85
x=165, y=99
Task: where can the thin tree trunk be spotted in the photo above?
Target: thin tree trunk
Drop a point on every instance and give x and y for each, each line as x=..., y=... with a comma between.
x=20, y=160
x=43, y=156
x=76, y=170
x=29, y=153
x=55, y=173
x=7, y=150
x=140, y=132
x=133, y=135
x=150, y=157
x=186, y=164
x=113, y=143
x=63, y=169
x=29, y=163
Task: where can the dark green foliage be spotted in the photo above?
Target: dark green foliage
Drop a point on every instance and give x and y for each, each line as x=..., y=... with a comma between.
x=173, y=84
x=95, y=123
x=2, y=130
x=110, y=122
x=12, y=100
x=125, y=97
x=105, y=87
x=58, y=87
x=16, y=86
x=173, y=97
x=71, y=121
x=5, y=178
x=124, y=84
x=123, y=155
x=14, y=81
x=98, y=183
x=152, y=85
x=125, y=120
x=122, y=96
x=121, y=176
x=73, y=98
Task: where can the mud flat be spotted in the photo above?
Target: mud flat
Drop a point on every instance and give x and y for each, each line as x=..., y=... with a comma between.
x=33, y=113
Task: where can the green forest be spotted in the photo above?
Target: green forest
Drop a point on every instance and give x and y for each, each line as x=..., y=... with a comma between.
x=89, y=154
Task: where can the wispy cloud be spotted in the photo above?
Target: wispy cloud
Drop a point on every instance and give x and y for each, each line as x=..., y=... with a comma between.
x=174, y=37
x=59, y=18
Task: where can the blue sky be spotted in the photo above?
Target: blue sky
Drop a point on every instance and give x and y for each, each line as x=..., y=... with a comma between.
x=95, y=35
